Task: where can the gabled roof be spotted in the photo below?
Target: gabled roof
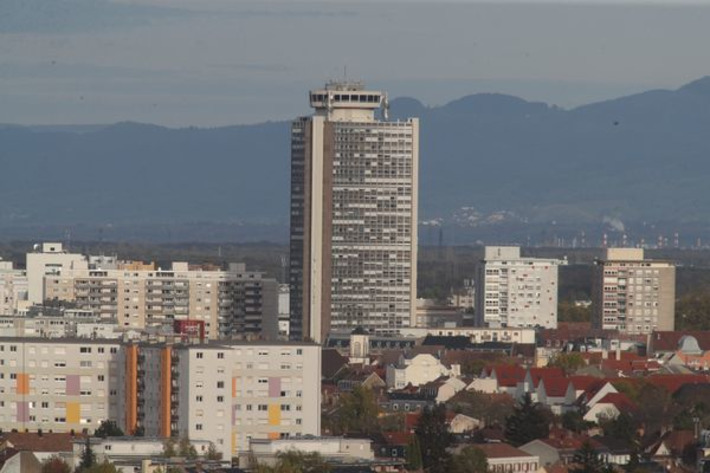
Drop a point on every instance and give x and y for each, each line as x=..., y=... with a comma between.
x=666, y=341
x=673, y=382
x=620, y=400
x=332, y=362
x=34, y=442
x=501, y=450
x=397, y=438
x=582, y=382
x=555, y=387
x=508, y=375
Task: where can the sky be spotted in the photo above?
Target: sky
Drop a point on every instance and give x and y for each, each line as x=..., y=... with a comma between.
x=223, y=62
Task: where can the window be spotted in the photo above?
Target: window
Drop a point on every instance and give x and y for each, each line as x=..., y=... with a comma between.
x=199, y=355
x=220, y=398
x=198, y=426
x=285, y=407
x=220, y=384
x=220, y=355
x=85, y=350
x=263, y=407
x=198, y=398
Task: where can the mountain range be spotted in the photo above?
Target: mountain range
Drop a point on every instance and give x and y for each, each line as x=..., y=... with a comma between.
x=490, y=157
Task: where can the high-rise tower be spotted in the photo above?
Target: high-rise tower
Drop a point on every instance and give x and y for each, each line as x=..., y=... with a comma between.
x=354, y=181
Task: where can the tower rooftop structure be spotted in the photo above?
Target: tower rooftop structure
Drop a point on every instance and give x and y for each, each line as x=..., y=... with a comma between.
x=348, y=101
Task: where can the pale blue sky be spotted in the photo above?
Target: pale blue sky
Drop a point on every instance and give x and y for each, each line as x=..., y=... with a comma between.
x=220, y=62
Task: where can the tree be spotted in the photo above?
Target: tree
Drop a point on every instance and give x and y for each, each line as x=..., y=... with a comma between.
x=88, y=459
x=104, y=467
x=212, y=453
x=434, y=438
x=169, y=450
x=574, y=421
x=569, y=362
x=414, y=454
x=55, y=464
x=296, y=462
x=357, y=412
x=469, y=460
x=586, y=460
x=108, y=428
x=528, y=422
x=186, y=449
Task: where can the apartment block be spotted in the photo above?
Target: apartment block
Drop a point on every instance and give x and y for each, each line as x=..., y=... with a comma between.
x=516, y=291
x=58, y=385
x=13, y=288
x=48, y=259
x=353, y=246
x=225, y=393
x=235, y=302
x=632, y=294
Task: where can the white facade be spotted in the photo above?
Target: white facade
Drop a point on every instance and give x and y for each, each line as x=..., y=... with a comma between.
x=58, y=385
x=13, y=288
x=233, y=393
x=48, y=259
x=632, y=294
x=418, y=370
x=354, y=204
x=339, y=450
x=514, y=291
x=520, y=335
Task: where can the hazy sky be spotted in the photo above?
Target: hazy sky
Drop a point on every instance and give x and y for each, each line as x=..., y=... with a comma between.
x=219, y=62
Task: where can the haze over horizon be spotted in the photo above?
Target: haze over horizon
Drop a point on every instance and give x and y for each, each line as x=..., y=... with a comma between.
x=213, y=62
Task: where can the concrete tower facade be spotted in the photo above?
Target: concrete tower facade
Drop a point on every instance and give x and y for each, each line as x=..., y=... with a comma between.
x=353, y=254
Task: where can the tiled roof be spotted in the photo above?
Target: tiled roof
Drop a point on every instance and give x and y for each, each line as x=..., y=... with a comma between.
x=502, y=450
x=668, y=341
x=555, y=387
x=620, y=400
x=397, y=438
x=33, y=442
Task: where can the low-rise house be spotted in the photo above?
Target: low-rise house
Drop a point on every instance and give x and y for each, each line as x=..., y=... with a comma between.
x=609, y=408
x=41, y=445
x=461, y=424
x=506, y=458
x=673, y=447
x=418, y=369
x=338, y=450
x=442, y=389
x=12, y=461
x=558, y=448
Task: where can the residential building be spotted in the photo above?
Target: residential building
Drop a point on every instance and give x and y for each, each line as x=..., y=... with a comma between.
x=335, y=450
x=353, y=249
x=632, y=294
x=58, y=385
x=516, y=291
x=235, y=302
x=419, y=369
x=504, y=458
x=13, y=288
x=224, y=392
x=48, y=259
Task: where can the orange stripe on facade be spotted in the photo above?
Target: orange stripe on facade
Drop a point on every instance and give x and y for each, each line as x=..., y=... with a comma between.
x=23, y=383
x=165, y=391
x=234, y=387
x=131, y=388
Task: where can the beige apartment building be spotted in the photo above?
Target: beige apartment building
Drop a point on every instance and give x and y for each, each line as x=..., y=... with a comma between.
x=353, y=247
x=13, y=288
x=235, y=302
x=226, y=393
x=58, y=385
x=632, y=294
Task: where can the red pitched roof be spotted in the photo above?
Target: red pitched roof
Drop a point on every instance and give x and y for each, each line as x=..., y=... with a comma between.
x=411, y=419
x=555, y=387
x=33, y=442
x=673, y=382
x=509, y=375
x=668, y=341
x=397, y=438
x=501, y=450
x=619, y=400
x=583, y=382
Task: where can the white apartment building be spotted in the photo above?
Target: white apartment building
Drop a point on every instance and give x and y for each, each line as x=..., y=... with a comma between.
x=354, y=180
x=58, y=385
x=13, y=288
x=227, y=393
x=136, y=295
x=632, y=294
x=417, y=370
x=516, y=291
x=48, y=259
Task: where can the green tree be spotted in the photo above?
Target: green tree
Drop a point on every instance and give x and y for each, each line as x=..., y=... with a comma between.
x=212, y=453
x=108, y=428
x=469, y=460
x=568, y=312
x=357, y=412
x=414, y=454
x=186, y=449
x=434, y=438
x=574, y=421
x=88, y=459
x=586, y=460
x=529, y=421
x=55, y=464
x=169, y=449
x=104, y=467
x=569, y=362
x=296, y=462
